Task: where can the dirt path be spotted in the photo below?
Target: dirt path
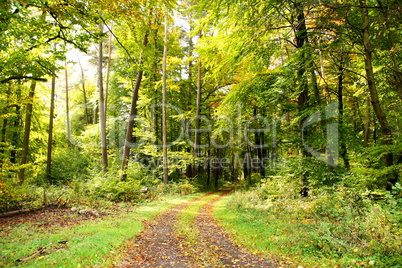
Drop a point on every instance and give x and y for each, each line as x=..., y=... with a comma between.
x=158, y=246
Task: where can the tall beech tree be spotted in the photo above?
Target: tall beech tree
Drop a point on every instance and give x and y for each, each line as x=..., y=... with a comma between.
x=372, y=85
x=133, y=113
x=50, y=132
x=102, y=111
x=164, y=103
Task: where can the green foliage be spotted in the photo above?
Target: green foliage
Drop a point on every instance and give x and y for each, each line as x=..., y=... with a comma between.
x=182, y=187
x=341, y=226
x=114, y=189
x=69, y=164
x=14, y=196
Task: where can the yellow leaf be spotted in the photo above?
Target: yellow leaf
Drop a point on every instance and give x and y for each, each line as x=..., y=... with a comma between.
x=356, y=250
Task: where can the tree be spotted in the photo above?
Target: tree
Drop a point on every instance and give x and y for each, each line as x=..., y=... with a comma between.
x=68, y=125
x=27, y=132
x=133, y=112
x=102, y=111
x=164, y=126
x=197, y=137
x=372, y=85
x=50, y=133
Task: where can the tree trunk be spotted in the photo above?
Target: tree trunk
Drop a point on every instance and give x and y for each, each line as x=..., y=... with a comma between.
x=84, y=91
x=301, y=39
x=109, y=60
x=367, y=125
x=381, y=116
x=50, y=134
x=16, y=129
x=67, y=109
x=325, y=92
x=343, y=149
x=27, y=132
x=95, y=114
x=397, y=73
x=102, y=111
x=164, y=127
x=385, y=127
x=133, y=113
x=189, y=167
x=197, y=137
x=4, y=131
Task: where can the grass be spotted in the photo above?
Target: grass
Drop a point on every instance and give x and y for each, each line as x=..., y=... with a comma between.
x=291, y=230
x=93, y=243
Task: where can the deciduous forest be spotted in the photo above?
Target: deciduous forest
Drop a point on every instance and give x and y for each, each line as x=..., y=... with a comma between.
x=279, y=119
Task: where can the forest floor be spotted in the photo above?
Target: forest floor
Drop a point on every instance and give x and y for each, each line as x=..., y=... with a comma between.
x=186, y=235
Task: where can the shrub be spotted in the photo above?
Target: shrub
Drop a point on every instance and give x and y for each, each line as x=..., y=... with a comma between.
x=67, y=164
x=183, y=187
x=16, y=196
x=114, y=189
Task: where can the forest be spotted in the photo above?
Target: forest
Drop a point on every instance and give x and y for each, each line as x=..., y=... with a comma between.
x=296, y=104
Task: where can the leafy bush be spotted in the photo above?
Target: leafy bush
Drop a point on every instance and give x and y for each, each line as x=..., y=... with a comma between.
x=343, y=225
x=183, y=187
x=67, y=164
x=16, y=196
x=114, y=189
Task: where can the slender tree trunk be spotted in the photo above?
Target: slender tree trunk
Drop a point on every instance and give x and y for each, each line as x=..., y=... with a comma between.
x=109, y=60
x=164, y=127
x=209, y=161
x=375, y=101
x=67, y=109
x=16, y=129
x=102, y=111
x=316, y=90
x=358, y=123
x=95, y=114
x=133, y=113
x=217, y=169
x=3, y=140
x=197, y=137
x=381, y=116
x=397, y=72
x=262, y=154
x=4, y=131
x=301, y=39
x=367, y=125
x=27, y=132
x=50, y=133
x=84, y=91
x=327, y=97
x=189, y=167
x=343, y=149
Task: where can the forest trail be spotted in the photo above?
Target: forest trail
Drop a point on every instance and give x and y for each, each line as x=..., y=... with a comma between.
x=159, y=245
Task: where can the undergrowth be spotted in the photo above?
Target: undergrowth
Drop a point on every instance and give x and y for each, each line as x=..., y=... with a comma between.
x=335, y=226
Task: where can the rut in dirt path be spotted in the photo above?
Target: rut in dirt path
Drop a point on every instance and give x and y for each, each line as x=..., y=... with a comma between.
x=158, y=246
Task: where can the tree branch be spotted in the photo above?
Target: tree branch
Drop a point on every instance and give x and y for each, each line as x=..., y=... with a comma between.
x=22, y=77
